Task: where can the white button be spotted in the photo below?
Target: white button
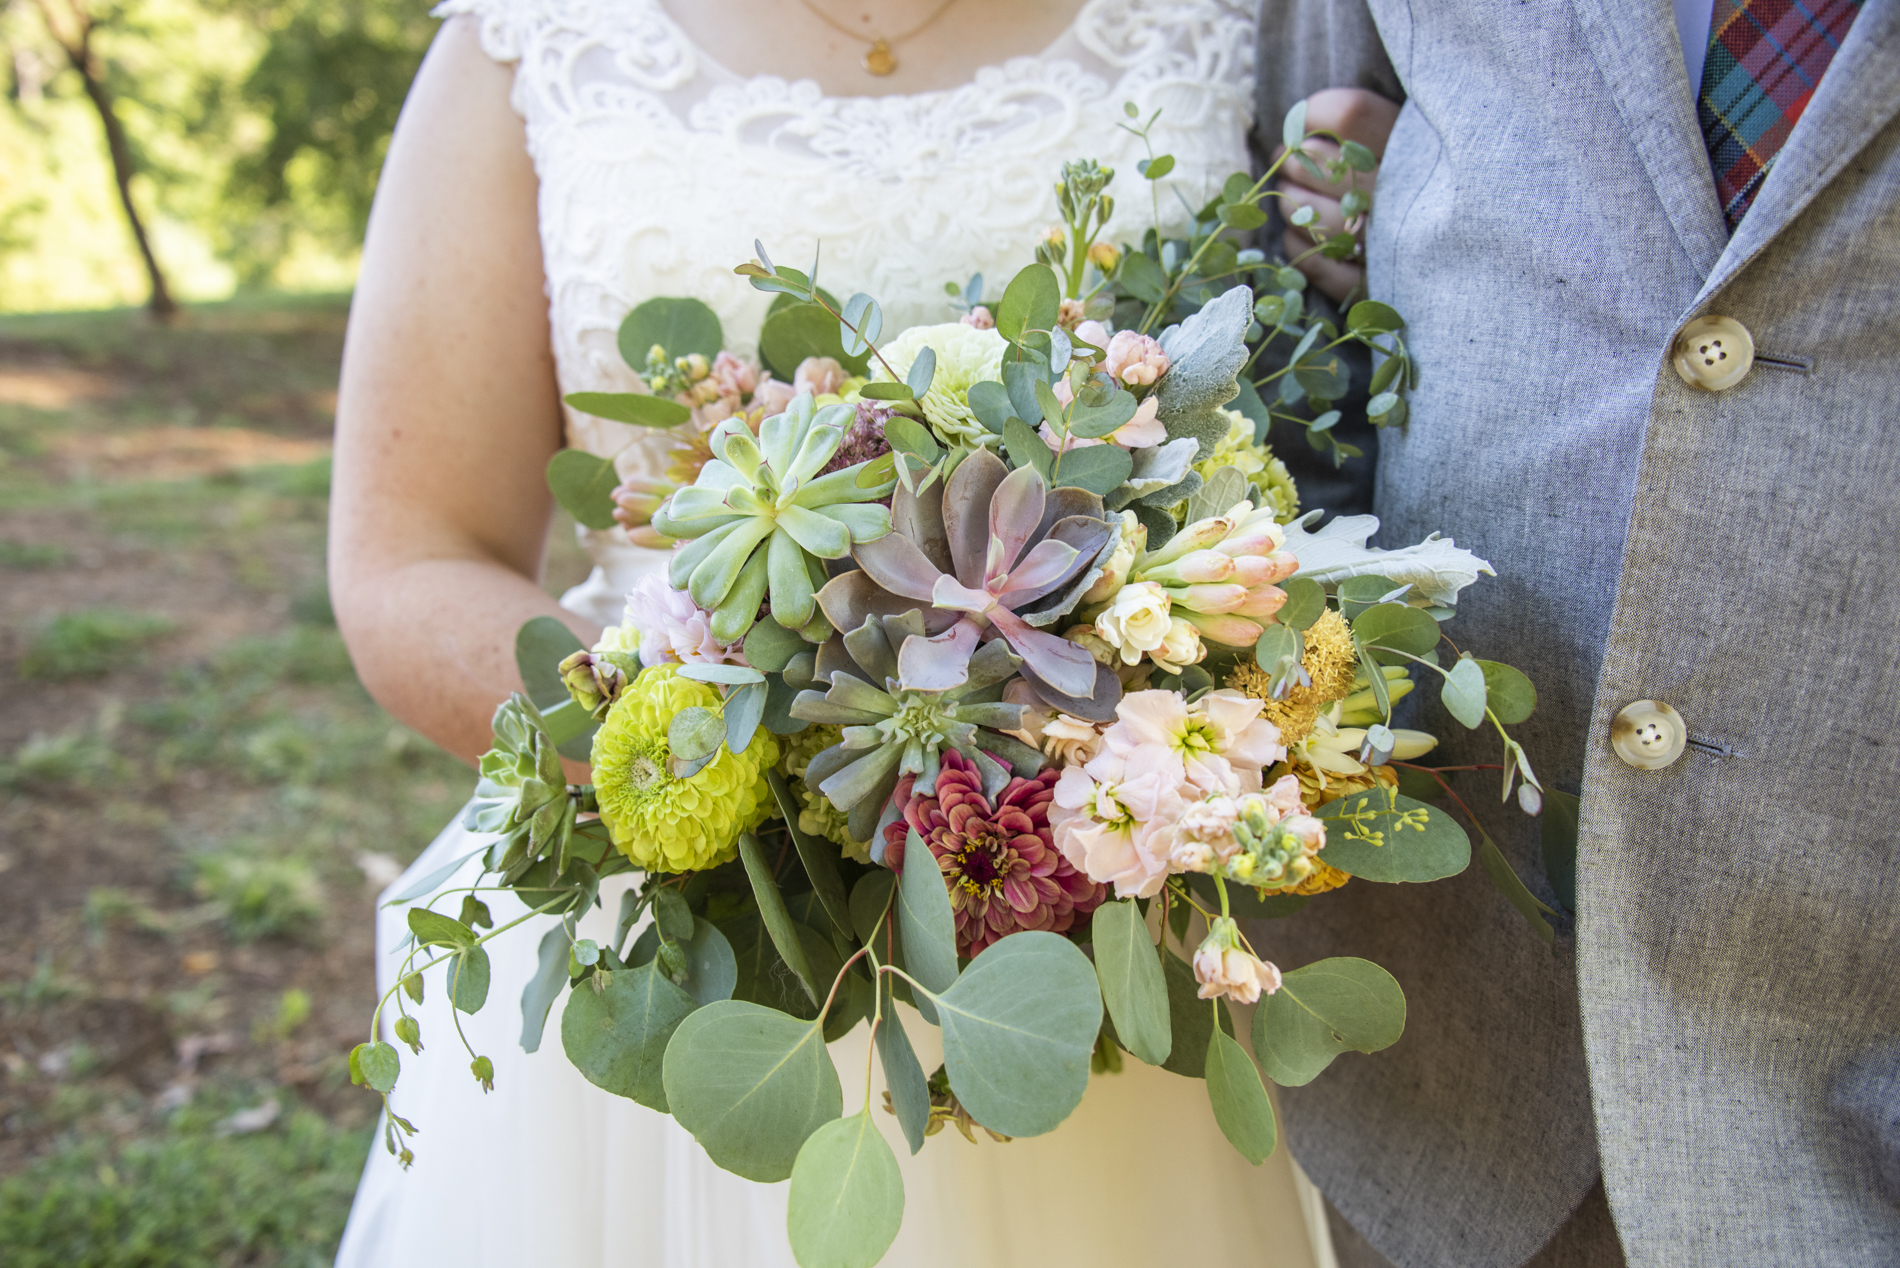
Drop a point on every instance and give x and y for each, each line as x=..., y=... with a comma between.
x=1648, y=734
x=1714, y=353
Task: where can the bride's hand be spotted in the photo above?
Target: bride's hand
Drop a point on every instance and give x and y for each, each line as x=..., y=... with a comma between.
x=1356, y=115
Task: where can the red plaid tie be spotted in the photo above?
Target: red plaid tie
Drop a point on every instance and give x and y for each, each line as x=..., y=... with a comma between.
x=1765, y=59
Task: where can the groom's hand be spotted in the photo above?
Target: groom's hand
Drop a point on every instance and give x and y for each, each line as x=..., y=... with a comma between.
x=1356, y=115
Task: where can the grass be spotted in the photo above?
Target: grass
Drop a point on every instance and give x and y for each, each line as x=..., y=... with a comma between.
x=187, y=1198
x=92, y=641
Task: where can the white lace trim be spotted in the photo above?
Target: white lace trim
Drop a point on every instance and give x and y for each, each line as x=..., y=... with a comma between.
x=658, y=167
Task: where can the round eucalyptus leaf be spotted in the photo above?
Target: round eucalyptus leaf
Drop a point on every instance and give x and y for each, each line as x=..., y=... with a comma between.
x=1240, y=1100
x=1464, y=692
x=1277, y=642
x=1381, y=835
x=1031, y=301
x=695, y=733
x=1189, y=1017
x=583, y=484
x=617, y=1037
x=1305, y=602
x=680, y=326
x=1371, y=317
x=1018, y=1029
x=751, y=1084
x=1511, y=695
x=925, y=921
x=1397, y=626
x=847, y=1197
x=1329, y=1007
x=468, y=980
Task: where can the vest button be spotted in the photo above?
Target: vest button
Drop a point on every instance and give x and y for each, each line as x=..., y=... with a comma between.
x=1648, y=734
x=1714, y=353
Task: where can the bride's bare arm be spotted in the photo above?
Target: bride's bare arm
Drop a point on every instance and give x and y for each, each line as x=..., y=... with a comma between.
x=447, y=411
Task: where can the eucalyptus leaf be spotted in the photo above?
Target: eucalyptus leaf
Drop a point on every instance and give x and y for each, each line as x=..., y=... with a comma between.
x=803, y=330
x=922, y=370
x=1240, y=1100
x=1561, y=822
x=672, y=916
x=1155, y=168
x=989, y=401
x=1463, y=692
x=1512, y=886
x=847, y=1196
x=778, y=922
x=745, y=709
x=695, y=733
x=681, y=326
x=640, y=409
x=1031, y=301
x=1277, y=642
x=819, y=855
x=468, y=980
x=925, y=921
x=1098, y=468
x=1143, y=278
x=1324, y=1009
x=1381, y=835
x=549, y=980
x=1018, y=1029
x=903, y=1075
x=617, y=1037
x=751, y=1084
x=1305, y=603
x=1370, y=317
x=769, y=645
x=541, y=644
x=583, y=484
x=433, y=929
x=1510, y=694
x=885, y=390
x=730, y=675
x=1398, y=627
x=1026, y=448
x=1019, y=384
x=871, y=901
x=1242, y=216
x=1189, y=1016
x=1133, y=988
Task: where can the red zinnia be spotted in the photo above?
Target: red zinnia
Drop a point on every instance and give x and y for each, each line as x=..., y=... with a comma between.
x=999, y=862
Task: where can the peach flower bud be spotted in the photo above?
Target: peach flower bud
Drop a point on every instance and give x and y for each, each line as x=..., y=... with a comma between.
x=821, y=376
x=1223, y=967
x=772, y=396
x=1069, y=314
x=1136, y=360
x=1093, y=333
x=1228, y=631
x=1262, y=602
x=1209, y=598
x=979, y=317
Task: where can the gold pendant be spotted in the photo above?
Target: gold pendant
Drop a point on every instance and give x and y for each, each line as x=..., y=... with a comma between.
x=880, y=60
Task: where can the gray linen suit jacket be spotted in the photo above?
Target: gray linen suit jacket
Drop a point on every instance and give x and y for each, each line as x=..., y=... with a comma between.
x=1726, y=1001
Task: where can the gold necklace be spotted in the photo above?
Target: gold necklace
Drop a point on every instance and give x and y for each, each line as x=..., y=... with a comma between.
x=878, y=59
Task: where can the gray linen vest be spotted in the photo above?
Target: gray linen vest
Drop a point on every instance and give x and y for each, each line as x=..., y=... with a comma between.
x=1718, y=1029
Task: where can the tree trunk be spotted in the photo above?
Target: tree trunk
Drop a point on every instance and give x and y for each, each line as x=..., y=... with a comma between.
x=80, y=55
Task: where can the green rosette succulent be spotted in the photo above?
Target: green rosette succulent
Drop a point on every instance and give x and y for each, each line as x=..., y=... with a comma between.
x=936, y=693
x=760, y=519
x=522, y=792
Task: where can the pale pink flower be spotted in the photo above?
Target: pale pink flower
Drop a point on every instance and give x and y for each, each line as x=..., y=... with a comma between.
x=1135, y=360
x=673, y=627
x=1093, y=333
x=1113, y=818
x=773, y=397
x=1223, y=967
x=821, y=376
x=1143, y=431
x=980, y=318
x=1219, y=744
x=1204, y=835
x=733, y=376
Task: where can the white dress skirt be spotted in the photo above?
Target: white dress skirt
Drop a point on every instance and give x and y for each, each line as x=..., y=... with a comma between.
x=657, y=170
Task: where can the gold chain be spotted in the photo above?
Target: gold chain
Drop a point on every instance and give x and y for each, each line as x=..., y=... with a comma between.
x=878, y=59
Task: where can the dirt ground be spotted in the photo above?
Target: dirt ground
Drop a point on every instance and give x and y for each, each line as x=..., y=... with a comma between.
x=198, y=802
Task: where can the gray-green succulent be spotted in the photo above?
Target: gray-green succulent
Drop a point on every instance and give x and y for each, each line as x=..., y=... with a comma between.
x=761, y=518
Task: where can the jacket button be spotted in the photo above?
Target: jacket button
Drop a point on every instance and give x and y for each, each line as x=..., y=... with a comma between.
x=1714, y=353
x=1648, y=734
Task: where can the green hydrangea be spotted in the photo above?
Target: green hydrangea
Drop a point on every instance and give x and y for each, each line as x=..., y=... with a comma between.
x=1238, y=450
x=965, y=356
x=662, y=822
x=818, y=817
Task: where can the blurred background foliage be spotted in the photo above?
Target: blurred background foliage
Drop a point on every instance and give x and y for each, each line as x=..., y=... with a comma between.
x=253, y=131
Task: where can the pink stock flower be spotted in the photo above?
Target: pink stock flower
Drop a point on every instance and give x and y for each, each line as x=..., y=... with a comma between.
x=999, y=861
x=1223, y=967
x=1218, y=744
x=1093, y=333
x=1135, y=360
x=772, y=396
x=1204, y=835
x=672, y=627
x=1143, y=431
x=821, y=376
x=1114, y=817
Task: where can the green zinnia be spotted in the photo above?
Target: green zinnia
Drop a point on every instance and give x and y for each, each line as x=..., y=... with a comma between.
x=662, y=822
x=817, y=816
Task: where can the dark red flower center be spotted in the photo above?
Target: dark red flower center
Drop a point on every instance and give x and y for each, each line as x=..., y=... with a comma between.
x=977, y=859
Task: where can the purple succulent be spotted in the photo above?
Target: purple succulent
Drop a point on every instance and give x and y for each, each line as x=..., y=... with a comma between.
x=995, y=548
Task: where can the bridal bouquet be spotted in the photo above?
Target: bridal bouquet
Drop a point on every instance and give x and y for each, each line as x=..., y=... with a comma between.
x=995, y=672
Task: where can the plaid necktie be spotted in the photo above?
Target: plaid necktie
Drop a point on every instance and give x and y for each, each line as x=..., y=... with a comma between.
x=1765, y=59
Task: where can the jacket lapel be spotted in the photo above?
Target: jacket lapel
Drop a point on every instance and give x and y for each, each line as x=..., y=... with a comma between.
x=1640, y=58
x=1857, y=97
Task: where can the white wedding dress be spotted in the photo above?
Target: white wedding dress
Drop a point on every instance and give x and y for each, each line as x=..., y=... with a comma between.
x=658, y=168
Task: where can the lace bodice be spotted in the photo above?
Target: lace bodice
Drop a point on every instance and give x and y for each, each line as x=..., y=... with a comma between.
x=658, y=167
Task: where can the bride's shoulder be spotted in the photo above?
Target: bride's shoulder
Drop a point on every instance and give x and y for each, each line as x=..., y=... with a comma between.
x=512, y=29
